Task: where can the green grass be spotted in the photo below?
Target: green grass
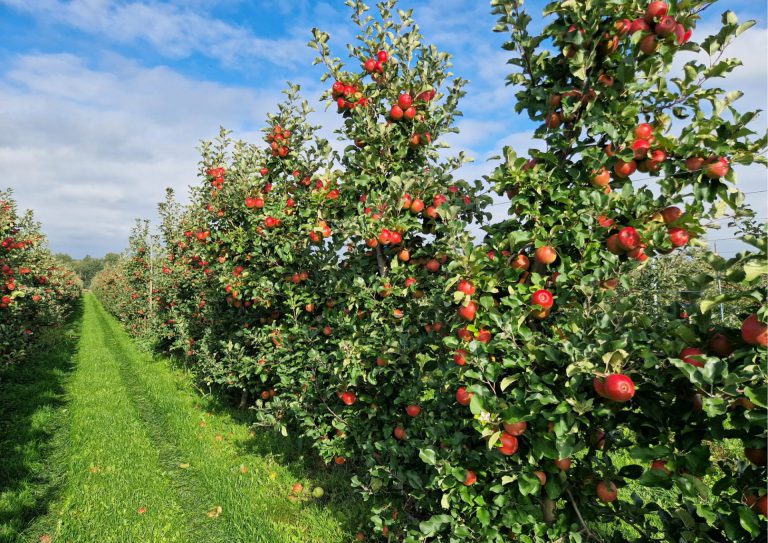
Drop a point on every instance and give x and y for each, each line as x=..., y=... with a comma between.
x=141, y=457
x=32, y=411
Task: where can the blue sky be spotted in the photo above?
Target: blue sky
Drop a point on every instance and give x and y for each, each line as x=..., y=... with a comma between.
x=102, y=102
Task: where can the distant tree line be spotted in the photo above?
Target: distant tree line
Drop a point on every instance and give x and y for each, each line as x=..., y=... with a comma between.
x=88, y=266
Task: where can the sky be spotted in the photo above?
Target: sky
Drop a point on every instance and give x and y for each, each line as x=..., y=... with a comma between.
x=104, y=102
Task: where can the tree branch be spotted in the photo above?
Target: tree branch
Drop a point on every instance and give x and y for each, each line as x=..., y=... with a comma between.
x=589, y=533
x=381, y=260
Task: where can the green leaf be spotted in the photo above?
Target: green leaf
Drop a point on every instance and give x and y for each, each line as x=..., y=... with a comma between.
x=748, y=521
x=757, y=395
x=483, y=516
x=428, y=456
x=754, y=269
x=508, y=381
x=528, y=483
x=432, y=525
x=686, y=333
x=655, y=478
x=631, y=471
x=687, y=519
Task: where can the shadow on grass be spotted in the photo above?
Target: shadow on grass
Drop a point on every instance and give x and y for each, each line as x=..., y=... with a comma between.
x=298, y=457
x=32, y=396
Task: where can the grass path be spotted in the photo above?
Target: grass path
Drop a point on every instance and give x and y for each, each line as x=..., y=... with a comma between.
x=141, y=459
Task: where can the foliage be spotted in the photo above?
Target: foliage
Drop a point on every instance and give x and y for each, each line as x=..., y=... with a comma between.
x=499, y=391
x=87, y=267
x=36, y=290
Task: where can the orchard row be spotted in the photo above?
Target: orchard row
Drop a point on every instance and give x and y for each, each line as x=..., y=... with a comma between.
x=36, y=291
x=493, y=391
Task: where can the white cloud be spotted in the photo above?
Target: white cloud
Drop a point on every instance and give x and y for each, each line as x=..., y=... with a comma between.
x=93, y=148
x=172, y=30
x=751, y=78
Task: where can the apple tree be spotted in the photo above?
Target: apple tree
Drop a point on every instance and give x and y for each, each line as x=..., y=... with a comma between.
x=36, y=291
x=597, y=417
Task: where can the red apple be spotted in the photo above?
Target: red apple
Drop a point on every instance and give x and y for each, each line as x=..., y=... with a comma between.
x=508, y=444
x=665, y=27
x=483, y=336
x=758, y=457
x=639, y=25
x=542, y=298
x=648, y=44
x=467, y=312
x=610, y=284
x=465, y=335
x=619, y=387
x=599, y=386
x=606, y=491
x=717, y=169
x=348, y=397
x=678, y=237
x=671, y=214
x=432, y=265
x=399, y=433
x=720, y=345
x=656, y=10
x=641, y=148
x=643, y=131
x=628, y=238
x=682, y=35
x=602, y=178
x=762, y=505
x=413, y=410
x=563, y=464
x=638, y=254
x=623, y=26
x=545, y=255
x=694, y=164
x=754, y=332
x=470, y=478
x=463, y=396
x=625, y=169
x=460, y=357
x=658, y=156
x=597, y=439
x=690, y=355
x=553, y=120
x=520, y=262
x=660, y=465
x=613, y=245
x=466, y=287
x=515, y=428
